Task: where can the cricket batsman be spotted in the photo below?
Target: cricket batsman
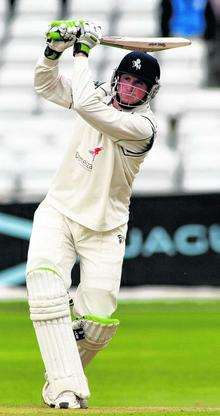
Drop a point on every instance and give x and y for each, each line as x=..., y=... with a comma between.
x=86, y=210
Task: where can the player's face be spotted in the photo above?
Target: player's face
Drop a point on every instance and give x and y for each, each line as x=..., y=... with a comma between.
x=131, y=89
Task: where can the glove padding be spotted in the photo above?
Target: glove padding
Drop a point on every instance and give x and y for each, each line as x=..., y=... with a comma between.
x=62, y=34
x=90, y=36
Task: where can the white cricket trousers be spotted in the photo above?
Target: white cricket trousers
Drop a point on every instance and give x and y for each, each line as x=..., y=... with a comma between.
x=54, y=245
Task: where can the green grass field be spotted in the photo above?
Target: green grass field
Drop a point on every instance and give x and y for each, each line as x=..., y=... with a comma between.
x=165, y=360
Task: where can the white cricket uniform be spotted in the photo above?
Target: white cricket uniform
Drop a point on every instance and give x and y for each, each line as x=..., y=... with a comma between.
x=87, y=207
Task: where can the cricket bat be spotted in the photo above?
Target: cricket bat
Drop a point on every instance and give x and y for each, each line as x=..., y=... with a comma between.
x=144, y=44
x=136, y=43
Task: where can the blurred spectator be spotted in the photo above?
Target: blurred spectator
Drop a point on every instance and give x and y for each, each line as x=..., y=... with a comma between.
x=165, y=10
x=188, y=17
x=11, y=7
x=63, y=7
x=182, y=17
x=210, y=30
x=195, y=18
x=212, y=35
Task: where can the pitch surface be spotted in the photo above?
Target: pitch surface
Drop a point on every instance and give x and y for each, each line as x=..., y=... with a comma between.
x=164, y=360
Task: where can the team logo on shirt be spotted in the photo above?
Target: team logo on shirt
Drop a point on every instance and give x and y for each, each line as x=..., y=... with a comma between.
x=121, y=238
x=88, y=165
x=94, y=152
x=83, y=162
x=136, y=64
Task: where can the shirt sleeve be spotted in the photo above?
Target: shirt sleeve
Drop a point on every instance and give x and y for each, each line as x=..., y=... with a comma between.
x=52, y=85
x=118, y=125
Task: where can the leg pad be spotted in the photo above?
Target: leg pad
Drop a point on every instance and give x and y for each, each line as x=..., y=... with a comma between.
x=47, y=296
x=92, y=335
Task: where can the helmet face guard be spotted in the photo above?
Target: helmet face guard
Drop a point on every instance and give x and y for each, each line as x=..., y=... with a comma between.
x=140, y=65
x=149, y=94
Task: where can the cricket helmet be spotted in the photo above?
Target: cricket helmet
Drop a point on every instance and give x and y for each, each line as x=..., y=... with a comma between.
x=142, y=65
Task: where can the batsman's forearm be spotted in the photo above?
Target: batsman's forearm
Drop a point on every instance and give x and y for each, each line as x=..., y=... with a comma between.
x=46, y=75
x=50, y=84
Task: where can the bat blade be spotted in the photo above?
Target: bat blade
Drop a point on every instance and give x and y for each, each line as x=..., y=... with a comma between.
x=144, y=44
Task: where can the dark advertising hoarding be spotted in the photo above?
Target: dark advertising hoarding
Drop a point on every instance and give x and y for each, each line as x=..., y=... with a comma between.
x=171, y=240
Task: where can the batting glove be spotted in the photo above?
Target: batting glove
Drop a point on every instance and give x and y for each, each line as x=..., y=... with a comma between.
x=90, y=36
x=60, y=35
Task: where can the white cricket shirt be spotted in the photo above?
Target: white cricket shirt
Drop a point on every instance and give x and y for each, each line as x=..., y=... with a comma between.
x=94, y=182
